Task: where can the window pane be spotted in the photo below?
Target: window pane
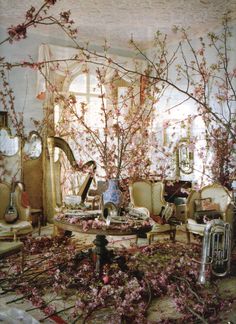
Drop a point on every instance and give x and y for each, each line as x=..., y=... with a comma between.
x=79, y=84
x=123, y=97
x=94, y=113
x=94, y=85
x=56, y=114
x=79, y=100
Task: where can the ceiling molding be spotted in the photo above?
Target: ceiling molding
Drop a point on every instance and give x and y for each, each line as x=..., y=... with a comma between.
x=116, y=21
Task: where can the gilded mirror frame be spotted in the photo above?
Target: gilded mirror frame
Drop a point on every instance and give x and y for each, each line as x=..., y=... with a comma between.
x=184, y=156
x=9, y=144
x=33, y=146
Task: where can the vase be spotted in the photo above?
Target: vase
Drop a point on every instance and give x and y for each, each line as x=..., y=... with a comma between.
x=113, y=193
x=11, y=212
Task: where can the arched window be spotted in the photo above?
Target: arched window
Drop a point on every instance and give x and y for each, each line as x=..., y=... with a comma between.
x=85, y=87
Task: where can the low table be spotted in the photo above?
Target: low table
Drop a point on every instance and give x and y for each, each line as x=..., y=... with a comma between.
x=100, y=242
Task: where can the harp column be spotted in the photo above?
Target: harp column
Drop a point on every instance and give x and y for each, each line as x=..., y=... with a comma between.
x=50, y=143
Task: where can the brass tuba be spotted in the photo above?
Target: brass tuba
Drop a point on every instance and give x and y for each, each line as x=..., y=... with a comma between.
x=216, y=249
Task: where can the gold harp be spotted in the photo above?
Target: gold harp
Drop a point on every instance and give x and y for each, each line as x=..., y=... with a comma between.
x=53, y=142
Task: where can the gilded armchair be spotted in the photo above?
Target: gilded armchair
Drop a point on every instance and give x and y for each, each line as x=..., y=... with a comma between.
x=212, y=201
x=21, y=226
x=148, y=198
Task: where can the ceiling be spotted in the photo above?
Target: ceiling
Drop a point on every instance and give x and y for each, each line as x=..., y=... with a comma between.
x=117, y=20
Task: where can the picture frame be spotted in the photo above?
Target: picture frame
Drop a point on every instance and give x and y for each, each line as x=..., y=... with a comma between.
x=3, y=119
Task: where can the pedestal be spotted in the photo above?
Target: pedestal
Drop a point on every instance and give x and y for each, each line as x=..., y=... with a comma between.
x=101, y=251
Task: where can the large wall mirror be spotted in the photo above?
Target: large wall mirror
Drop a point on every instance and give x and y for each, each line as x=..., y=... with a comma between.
x=10, y=153
x=9, y=145
x=33, y=146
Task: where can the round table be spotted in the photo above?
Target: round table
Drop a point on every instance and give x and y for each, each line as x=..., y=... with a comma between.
x=100, y=242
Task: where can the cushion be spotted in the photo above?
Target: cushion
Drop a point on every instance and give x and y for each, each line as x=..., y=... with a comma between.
x=202, y=204
x=194, y=227
x=6, y=247
x=213, y=206
x=139, y=212
x=158, y=219
x=20, y=227
x=160, y=228
x=204, y=216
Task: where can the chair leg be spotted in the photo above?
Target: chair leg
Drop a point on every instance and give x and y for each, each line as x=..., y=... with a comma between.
x=149, y=237
x=55, y=231
x=39, y=224
x=22, y=260
x=173, y=235
x=15, y=235
x=188, y=237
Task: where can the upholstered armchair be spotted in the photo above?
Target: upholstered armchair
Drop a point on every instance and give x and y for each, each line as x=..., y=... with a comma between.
x=212, y=201
x=148, y=198
x=21, y=226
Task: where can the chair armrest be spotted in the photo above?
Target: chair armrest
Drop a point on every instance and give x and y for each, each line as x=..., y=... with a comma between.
x=168, y=211
x=24, y=212
x=228, y=216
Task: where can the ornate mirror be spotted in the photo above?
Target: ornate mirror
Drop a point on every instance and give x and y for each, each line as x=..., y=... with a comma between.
x=184, y=156
x=33, y=146
x=9, y=145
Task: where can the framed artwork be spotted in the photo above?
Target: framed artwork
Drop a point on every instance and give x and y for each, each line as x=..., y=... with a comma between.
x=3, y=119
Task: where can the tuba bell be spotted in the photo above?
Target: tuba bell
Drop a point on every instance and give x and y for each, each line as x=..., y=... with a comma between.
x=216, y=249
